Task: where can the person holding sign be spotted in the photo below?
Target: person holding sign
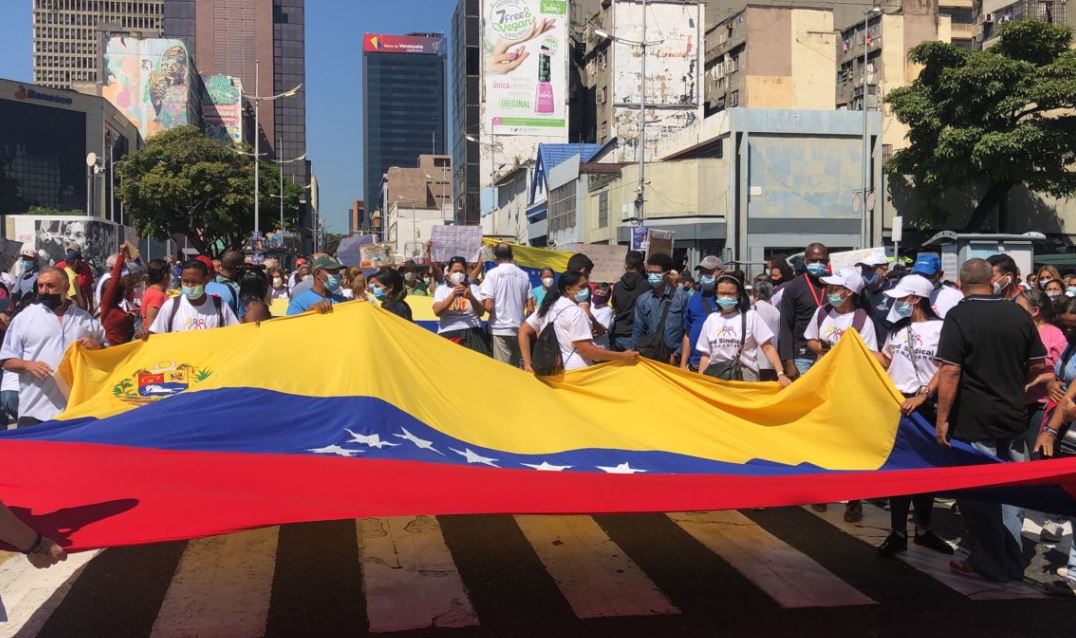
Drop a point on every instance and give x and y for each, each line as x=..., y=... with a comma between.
x=456, y=302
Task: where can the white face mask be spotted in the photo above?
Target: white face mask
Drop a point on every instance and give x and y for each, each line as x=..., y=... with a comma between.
x=456, y=278
x=547, y=282
x=278, y=282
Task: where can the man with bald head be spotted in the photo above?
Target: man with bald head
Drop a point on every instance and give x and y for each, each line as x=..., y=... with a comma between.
x=35, y=343
x=989, y=350
x=505, y=292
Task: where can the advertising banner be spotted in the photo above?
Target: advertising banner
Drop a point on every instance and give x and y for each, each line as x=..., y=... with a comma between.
x=525, y=69
x=384, y=43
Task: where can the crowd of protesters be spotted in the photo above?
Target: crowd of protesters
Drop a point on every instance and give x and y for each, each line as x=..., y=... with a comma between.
x=985, y=356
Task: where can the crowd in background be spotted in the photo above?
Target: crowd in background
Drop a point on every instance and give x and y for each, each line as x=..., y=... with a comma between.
x=985, y=356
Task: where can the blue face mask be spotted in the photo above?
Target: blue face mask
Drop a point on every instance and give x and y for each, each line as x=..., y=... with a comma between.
x=1070, y=291
x=835, y=300
x=707, y=281
x=193, y=292
x=816, y=269
x=727, y=303
x=582, y=295
x=27, y=266
x=379, y=293
x=655, y=279
x=332, y=284
x=903, y=308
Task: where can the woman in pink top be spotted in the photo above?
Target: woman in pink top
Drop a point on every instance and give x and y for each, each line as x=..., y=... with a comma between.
x=1046, y=387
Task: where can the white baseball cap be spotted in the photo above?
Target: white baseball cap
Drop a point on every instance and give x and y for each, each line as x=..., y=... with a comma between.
x=917, y=285
x=873, y=260
x=848, y=278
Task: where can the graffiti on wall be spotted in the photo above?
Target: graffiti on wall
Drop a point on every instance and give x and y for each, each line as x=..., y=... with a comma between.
x=222, y=108
x=96, y=239
x=150, y=82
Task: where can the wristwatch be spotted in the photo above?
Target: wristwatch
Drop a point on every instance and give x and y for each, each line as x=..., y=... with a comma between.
x=781, y=373
x=924, y=390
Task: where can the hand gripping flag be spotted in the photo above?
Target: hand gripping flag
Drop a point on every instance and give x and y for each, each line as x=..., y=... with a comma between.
x=358, y=413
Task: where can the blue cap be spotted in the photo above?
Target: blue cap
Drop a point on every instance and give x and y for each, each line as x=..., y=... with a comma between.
x=927, y=264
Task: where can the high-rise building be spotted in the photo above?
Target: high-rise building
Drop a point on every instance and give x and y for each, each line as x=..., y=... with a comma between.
x=229, y=37
x=69, y=35
x=403, y=87
x=466, y=108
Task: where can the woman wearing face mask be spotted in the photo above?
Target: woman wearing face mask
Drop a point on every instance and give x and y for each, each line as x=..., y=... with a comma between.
x=842, y=311
x=1046, y=387
x=736, y=331
x=539, y=292
x=387, y=287
x=909, y=356
x=457, y=304
x=120, y=316
x=602, y=314
x=1054, y=289
x=571, y=324
x=279, y=288
x=1046, y=275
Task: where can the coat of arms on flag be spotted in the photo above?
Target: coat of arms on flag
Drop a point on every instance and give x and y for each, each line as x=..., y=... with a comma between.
x=165, y=379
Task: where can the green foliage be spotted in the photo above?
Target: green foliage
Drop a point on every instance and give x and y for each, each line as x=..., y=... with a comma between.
x=330, y=242
x=44, y=210
x=994, y=118
x=184, y=182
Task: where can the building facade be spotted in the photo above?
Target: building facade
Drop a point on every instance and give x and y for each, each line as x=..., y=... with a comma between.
x=43, y=160
x=403, y=92
x=69, y=35
x=466, y=108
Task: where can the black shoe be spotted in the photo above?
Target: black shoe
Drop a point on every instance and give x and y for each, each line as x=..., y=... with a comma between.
x=819, y=507
x=894, y=544
x=853, y=512
x=1066, y=588
x=930, y=540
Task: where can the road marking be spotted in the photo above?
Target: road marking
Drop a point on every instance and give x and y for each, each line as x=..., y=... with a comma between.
x=28, y=596
x=874, y=528
x=409, y=577
x=221, y=587
x=786, y=574
x=593, y=573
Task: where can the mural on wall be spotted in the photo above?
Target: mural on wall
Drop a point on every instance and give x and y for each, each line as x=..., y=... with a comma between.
x=96, y=239
x=149, y=81
x=222, y=108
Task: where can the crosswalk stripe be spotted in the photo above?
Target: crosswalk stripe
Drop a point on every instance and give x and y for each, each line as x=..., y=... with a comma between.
x=787, y=575
x=409, y=578
x=874, y=528
x=595, y=576
x=29, y=596
x=221, y=587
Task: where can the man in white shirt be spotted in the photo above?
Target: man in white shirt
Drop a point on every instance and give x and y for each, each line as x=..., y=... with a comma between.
x=505, y=292
x=193, y=309
x=35, y=343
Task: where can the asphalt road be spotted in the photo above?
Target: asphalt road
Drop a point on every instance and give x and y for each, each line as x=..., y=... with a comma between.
x=783, y=572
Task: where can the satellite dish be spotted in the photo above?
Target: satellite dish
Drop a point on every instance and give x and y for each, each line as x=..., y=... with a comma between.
x=91, y=159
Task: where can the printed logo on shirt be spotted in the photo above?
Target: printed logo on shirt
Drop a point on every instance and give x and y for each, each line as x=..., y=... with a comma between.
x=832, y=334
x=165, y=379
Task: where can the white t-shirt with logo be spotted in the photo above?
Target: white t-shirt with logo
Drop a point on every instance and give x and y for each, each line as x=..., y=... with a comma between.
x=912, y=368
x=460, y=315
x=720, y=338
x=835, y=325
x=190, y=317
x=509, y=288
x=571, y=324
x=604, y=316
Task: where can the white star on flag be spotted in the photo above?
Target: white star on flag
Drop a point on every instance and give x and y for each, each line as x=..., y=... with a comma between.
x=623, y=468
x=335, y=449
x=475, y=458
x=419, y=443
x=547, y=467
x=369, y=440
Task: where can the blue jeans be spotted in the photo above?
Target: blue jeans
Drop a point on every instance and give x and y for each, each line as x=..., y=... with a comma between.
x=1071, y=576
x=993, y=541
x=9, y=399
x=804, y=362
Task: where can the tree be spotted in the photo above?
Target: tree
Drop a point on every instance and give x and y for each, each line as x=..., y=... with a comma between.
x=184, y=182
x=990, y=119
x=330, y=242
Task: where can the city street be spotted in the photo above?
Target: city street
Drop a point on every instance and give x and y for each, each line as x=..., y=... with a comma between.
x=759, y=573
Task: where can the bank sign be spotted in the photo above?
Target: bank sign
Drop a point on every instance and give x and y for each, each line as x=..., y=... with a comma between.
x=24, y=94
x=381, y=43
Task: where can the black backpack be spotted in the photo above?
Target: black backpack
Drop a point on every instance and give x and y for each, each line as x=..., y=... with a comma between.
x=546, y=359
x=217, y=303
x=652, y=346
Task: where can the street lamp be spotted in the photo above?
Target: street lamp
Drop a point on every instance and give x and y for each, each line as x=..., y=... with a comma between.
x=257, y=100
x=493, y=146
x=280, y=190
x=643, y=44
x=863, y=226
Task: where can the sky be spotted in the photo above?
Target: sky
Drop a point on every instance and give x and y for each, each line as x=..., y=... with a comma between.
x=334, y=31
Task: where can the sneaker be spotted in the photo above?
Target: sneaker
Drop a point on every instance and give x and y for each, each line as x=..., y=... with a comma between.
x=853, y=512
x=820, y=507
x=894, y=544
x=1065, y=588
x=1051, y=532
x=1063, y=572
x=930, y=540
x=963, y=568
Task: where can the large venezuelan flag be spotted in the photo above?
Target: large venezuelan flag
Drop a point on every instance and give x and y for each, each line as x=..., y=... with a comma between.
x=358, y=413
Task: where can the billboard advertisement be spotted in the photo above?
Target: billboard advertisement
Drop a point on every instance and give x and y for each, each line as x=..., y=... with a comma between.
x=149, y=81
x=673, y=73
x=525, y=67
x=222, y=108
x=384, y=43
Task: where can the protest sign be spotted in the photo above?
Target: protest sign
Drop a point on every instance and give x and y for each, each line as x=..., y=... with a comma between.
x=847, y=259
x=447, y=242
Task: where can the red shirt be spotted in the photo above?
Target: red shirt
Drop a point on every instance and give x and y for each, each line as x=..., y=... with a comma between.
x=117, y=322
x=152, y=298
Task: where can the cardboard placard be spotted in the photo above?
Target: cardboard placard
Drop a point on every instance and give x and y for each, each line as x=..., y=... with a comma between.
x=447, y=242
x=608, y=260
x=660, y=242
x=847, y=259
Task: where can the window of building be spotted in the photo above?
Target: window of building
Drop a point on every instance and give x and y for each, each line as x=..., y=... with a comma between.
x=734, y=99
x=603, y=209
x=562, y=207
